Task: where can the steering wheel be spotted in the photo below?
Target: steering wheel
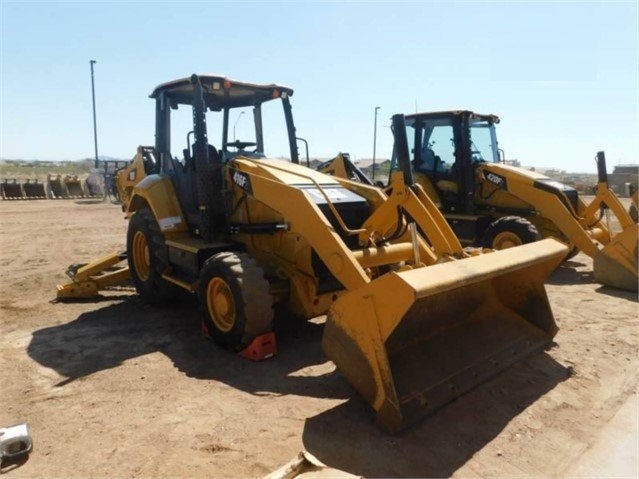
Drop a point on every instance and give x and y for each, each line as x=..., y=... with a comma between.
x=240, y=145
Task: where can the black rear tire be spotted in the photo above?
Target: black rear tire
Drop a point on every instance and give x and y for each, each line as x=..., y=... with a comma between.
x=509, y=231
x=148, y=258
x=235, y=299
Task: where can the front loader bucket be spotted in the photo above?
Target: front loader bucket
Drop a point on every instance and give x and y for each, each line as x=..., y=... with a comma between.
x=74, y=186
x=616, y=264
x=11, y=190
x=412, y=341
x=56, y=187
x=34, y=190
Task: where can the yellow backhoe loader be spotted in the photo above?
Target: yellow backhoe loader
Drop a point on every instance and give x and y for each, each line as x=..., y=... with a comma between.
x=456, y=160
x=412, y=320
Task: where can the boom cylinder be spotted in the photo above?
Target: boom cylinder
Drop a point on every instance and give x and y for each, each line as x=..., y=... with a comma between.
x=394, y=253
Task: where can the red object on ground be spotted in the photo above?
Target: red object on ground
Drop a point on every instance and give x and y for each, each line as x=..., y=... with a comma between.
x=262, y=347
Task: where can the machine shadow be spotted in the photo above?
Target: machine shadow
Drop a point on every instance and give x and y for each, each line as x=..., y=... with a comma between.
x=105, y=338
x=89, y=201
x=567, y=273
x=618, y=293
x=347, y=437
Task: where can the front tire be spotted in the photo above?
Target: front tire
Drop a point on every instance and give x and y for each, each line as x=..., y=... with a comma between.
x=235, y=300
x=148, y=258
x=508, y=232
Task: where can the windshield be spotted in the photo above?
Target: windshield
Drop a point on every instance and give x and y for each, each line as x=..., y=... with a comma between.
x=483, y=142
x=251, y=131
x=259, y=131
x=433, y=150
x=242, y=135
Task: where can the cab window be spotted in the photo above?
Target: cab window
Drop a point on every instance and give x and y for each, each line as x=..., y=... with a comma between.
x=437, y=147
x=483, y=145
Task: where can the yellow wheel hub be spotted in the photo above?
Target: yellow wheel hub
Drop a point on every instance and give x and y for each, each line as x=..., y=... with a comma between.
x=141, y=256
x=220, y=304
x=506, y=239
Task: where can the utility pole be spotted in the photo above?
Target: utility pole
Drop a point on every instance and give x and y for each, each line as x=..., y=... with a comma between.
x=95, y=126
x=375, y=140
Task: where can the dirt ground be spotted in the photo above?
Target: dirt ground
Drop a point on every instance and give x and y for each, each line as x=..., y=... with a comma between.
x=115, y=388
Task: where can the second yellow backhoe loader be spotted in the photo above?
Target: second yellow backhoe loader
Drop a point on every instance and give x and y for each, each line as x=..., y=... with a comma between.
x=456, y=160
x=412, y=320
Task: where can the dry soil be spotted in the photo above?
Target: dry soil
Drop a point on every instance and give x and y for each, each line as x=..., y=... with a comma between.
x=115, y=388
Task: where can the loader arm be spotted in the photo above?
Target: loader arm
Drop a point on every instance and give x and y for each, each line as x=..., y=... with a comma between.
x=412, y=200
x=615, y=261
x=302, y=217
x=606, y=197
x=425, y=215
x=552, y=207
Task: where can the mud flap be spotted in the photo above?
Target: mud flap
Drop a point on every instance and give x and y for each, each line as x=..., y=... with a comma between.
x=616, y=264
x=412, y=341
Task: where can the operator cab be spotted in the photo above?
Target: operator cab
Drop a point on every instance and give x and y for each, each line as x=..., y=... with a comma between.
x=229, y=106
x=205, y=120
x=445, y=146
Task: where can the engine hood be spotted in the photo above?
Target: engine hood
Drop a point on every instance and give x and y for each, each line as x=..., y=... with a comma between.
x=500, y=175
x=521, y=174
x=514, y=171
x=282, y=171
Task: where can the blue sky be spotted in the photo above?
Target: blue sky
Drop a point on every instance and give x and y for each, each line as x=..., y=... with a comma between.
x=563, y=76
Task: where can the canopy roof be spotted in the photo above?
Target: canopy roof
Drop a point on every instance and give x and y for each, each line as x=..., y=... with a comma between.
x=451, y=113
x=220, y=92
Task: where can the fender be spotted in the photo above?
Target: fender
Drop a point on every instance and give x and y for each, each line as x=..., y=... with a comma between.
x=156, y=192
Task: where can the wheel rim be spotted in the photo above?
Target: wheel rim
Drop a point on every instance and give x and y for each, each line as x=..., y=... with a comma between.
x=141, y=257
x=220, y=304
x=506, y=239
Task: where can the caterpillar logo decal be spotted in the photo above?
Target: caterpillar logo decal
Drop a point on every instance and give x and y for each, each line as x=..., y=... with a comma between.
x=242, y=180
x=495, y=179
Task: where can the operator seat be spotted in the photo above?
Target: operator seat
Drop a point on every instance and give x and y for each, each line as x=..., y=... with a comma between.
x=214, y=155
x=429, y=160
x=184, y=176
